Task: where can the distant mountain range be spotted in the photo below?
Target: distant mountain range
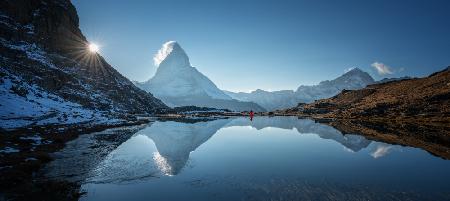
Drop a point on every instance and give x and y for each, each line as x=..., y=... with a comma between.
x=420, y=99
x=353, y=79
x=177, y=83
x=384, y=80
x=48, y=75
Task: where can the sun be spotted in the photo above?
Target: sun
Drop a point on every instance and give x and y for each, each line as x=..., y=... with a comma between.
x=93, y=48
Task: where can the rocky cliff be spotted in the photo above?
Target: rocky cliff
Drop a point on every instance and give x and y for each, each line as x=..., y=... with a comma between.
x=49, y=76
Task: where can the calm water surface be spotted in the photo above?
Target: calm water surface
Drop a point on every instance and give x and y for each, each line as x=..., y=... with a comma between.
x=278, y=158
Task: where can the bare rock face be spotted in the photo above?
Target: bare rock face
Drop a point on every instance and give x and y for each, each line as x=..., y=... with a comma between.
x=55, y=23
x=45, y=55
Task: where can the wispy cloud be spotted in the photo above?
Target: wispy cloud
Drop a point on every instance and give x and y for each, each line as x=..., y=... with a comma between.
x=165, y=50
x=381, y=151
x=382, y=69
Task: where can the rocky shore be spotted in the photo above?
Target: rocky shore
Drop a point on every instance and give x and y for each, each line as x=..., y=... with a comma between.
x=25, y=151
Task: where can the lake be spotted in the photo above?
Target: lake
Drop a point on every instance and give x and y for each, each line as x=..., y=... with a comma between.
x=268, y=158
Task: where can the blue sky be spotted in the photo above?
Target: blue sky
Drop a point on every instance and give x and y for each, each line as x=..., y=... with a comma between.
x=272, y=45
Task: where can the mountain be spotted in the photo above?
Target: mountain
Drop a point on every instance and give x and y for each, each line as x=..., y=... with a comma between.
x=419, y=99
x=49, y=76
x=353, y=79
x=177, y=83
x=384, y=80
x=269, y=100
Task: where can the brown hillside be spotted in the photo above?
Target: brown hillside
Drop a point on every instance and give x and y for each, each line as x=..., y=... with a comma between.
x=425, y=99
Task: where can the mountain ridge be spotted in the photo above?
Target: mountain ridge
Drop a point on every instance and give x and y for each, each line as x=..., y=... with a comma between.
x=282, y=99
x=177, y=83
x=419, y=99
x=50, y=77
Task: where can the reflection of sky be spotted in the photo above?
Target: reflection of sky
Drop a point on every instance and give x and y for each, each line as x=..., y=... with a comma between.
x=381, y=150
x=235, y=154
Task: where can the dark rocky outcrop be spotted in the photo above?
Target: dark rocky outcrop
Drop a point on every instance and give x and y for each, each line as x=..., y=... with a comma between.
x=53, y=89
x=43, y=47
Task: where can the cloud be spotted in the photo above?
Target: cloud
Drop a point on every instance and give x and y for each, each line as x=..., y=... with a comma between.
x=382, y=69
x=165, y=50
x=381, y=151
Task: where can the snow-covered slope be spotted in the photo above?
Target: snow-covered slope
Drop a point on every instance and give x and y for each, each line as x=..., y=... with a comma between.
x=354, y=79
x=270, y=100
x=176, y=77
x=48, y=75
x=177, y=83
x=39, y=107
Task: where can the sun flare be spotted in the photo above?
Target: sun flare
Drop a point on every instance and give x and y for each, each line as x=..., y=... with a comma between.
x=93, y=48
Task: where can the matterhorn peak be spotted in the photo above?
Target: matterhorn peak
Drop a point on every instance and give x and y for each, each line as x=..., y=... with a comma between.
x=177, y=83
x=171, y=53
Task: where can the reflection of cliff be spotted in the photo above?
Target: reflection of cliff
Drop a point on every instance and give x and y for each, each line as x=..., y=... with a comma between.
x=352, y=142
x=434, y=138
x=176, y=140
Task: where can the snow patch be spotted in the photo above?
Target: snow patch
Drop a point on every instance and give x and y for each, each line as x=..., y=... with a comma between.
x=32, y=51
x=35, y=106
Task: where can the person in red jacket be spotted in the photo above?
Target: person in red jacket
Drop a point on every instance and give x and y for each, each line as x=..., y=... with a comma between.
x=251, y=115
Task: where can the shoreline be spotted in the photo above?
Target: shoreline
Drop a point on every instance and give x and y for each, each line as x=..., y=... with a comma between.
x=26, y=154
x=19, y=171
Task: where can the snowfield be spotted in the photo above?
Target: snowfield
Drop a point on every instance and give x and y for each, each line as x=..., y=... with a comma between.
x=24, y=105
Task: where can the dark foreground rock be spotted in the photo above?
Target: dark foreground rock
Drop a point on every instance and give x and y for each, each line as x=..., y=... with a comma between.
x=48, y=75
x=22, y=176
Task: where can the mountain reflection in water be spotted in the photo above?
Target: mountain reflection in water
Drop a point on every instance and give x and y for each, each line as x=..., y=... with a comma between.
x=269, y=158
x=174, y=141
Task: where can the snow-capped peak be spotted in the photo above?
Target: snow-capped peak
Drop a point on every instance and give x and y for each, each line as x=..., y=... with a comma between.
x=355, y=71
x=171, y=50
x=175, y=77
